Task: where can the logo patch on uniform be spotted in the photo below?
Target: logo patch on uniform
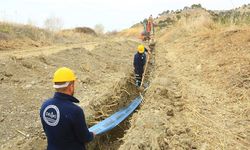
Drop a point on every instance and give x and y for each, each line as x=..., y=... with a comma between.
x=51, y=115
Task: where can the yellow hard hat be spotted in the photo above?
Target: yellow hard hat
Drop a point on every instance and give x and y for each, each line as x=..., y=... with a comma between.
x=64, y=75
x=141, y=49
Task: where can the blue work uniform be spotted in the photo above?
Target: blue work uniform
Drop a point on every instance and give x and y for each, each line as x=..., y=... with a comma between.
x=64, y=123
x=139, y=62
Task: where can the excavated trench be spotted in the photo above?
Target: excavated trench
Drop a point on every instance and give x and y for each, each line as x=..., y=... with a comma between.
x=123, y=94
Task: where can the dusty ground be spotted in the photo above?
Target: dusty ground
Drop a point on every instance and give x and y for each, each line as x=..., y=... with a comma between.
x=198, y=96
x=26, y=83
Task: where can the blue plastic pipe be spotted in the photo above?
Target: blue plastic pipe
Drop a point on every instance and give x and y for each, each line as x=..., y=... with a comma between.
x=115, y=119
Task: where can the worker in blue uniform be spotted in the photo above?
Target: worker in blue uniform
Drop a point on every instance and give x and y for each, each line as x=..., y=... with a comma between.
x=140, y=59
x=63, y=121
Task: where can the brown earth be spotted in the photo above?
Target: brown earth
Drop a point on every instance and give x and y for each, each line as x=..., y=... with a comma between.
x=198, y=96
x=25, y=79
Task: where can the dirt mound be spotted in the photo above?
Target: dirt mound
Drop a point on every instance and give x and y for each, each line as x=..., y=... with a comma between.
x=85, y=30
x=13, y=36
x=17, y=36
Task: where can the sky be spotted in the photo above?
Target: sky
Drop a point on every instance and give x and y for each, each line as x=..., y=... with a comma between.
x=112, y=14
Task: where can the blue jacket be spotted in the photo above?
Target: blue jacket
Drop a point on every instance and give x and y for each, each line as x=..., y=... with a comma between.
x=64, y=123
x=139, y=62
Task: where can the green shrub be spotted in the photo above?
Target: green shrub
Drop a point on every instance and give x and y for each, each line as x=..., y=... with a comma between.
x=5, y=28
x=196, y=6
x=232, y=17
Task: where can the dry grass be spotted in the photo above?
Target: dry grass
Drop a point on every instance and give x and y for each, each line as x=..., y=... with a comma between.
x=132, y=32
x=14, y=36
x=17, y=36
x=73, y=36
x=211, y=61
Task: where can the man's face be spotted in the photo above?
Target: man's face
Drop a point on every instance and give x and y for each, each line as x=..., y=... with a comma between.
x=72, y=89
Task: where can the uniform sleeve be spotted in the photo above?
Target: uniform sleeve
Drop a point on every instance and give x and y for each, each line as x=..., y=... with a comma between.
x=145, y=59
x=80, y=128
x=136, y=65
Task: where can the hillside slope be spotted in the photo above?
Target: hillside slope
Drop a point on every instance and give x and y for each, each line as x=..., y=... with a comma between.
x=18, y=36
x=199, y=94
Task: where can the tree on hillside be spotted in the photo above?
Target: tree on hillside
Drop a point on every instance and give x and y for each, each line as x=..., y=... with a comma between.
x=99, y=28
x=186, y=8
x=196, y=6
x=164, y=13
x=53, y=24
